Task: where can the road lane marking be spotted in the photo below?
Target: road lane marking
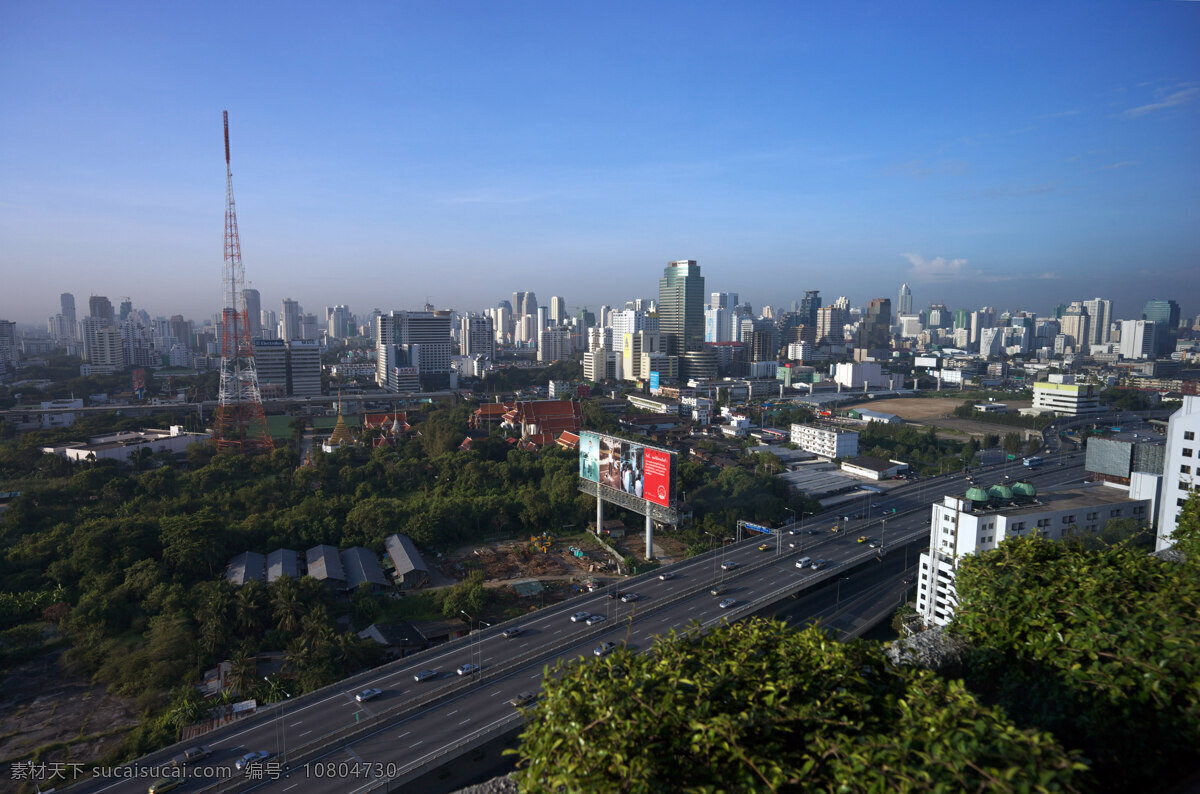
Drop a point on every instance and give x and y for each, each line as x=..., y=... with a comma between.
x=497, y=692
x=306, y=733
x=289, y=788
x=414, y=745
x=406, y=733
x=464, y=722
x=452, y=713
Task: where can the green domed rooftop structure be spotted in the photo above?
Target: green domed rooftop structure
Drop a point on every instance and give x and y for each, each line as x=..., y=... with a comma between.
x=1024, y=490
x=977, y=494
x=1001, y=493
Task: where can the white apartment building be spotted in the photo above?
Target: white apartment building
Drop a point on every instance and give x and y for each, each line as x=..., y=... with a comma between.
x=1062, y=395
x=601, y=365
x=983, y=519
x=825, y=441
x=1137, y=339
x=554, y=343
x=1181, y=467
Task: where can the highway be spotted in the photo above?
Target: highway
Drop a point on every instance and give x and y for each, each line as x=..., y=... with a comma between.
x=411, y=725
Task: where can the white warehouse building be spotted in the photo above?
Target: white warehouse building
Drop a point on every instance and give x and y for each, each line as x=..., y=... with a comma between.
x=827, y=442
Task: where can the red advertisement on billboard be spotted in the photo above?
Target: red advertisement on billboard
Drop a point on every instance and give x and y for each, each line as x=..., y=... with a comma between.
x=657, y=487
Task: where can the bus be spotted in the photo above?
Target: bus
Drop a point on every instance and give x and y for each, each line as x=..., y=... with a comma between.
x=1032, y=462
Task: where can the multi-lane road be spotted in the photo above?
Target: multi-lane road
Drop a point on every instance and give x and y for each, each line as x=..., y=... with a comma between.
x=327, y=741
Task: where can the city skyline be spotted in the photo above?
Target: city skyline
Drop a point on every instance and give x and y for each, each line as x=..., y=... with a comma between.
x=1017, y=157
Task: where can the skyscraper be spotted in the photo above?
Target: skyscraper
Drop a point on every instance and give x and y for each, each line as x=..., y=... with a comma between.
x=1165, y=316
x=253, y=302
x=1100, y=312
x=874, y=331
x=67, y=302
x=1075, y=324
x=681, y=307
x=524, y=303
x=808, y=307
x=291, y=320
x=558, y=310
x=905, y=302
x=101, y=308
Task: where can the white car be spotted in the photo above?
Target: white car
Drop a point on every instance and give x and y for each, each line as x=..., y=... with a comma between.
x=604, y=649
x=424, y=675
x=594, y=619
x=665, y=575
x=468, y=668
x=728, y=566
x=579, y=617
x=368, y=694
x=627, y=597
x=727, y=603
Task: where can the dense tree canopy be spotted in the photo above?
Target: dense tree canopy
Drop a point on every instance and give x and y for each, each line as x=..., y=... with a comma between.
x=759, y=707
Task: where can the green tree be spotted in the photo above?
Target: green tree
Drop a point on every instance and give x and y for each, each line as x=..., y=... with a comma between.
x=760, y=707
x=1097, y=646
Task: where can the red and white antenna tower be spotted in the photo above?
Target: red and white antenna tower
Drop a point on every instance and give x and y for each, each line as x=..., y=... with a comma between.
x=241, y=425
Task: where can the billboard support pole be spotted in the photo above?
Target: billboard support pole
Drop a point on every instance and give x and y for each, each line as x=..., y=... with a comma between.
x=649, y=535
x=599, y=514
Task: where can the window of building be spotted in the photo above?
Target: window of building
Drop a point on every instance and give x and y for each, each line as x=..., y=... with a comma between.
x=1185, y=469
x=1114, y=513
x=1180, y=502
x=1189, y=435
x=1187, y=452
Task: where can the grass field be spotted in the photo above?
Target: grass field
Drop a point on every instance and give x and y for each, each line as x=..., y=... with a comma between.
x=922, y=409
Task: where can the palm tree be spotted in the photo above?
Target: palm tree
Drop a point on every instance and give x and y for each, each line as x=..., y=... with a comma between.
x=248, y=608
x=243, y=671
x=286, y=605
x=316, y=627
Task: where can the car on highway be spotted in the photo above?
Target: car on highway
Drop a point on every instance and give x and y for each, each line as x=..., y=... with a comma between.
x=794, y=544
x=523, y=699
x=803, y=562
x=165, y=784
x=368, y=694
x=719, y=590
x=764, y=547
x=793, y=531
x=191, y=755
x=594, y=619
x=862, y=539
x=728, y=566
x=727, y=603
x=468, y=668
x=616, y=594
x=814, y=532
x=628, y=597
x=579, y=617
x=604, y=648
x=874, y=504
x=666, y=575
x=873, y=544
x=818, y=565
x=515, y=631
x=250, y=758
x=425, y=675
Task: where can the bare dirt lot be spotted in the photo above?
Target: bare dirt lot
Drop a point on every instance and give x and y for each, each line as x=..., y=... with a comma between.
x=54, y=717
x=919, y=409
x=936, y=411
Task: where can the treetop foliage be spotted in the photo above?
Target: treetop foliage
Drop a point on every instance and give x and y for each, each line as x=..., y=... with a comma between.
x=759, y=707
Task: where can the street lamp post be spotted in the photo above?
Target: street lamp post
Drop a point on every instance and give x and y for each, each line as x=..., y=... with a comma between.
x=280, y=728
x=839, y=588
x=479, y=646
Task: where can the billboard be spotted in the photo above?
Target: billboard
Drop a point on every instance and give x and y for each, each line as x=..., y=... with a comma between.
x=644, y=472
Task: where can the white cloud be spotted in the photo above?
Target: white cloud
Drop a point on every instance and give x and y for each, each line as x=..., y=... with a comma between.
x=1170, y=101
x=938, y=269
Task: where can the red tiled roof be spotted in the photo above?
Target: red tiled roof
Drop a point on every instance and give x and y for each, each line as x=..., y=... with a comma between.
x=568, y=440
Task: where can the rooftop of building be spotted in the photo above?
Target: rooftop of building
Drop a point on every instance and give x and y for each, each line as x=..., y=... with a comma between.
x=1072, y=499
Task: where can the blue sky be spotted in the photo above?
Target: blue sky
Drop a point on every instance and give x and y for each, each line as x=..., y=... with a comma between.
x=1013, y=155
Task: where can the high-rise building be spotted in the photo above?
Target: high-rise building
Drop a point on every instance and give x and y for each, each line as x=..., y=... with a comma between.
x=831, y=324
x=809, y=305
x=681, y=307
x=105, y=353
x=1137, y=339
x=126, y=309
x=1181, y=467
x=716, y=324
x=340, y=322
x=558, y=310
x=554, y=343
x=875, y=330
x=1100, y=312
x=543, y=317
x=524, y=303
x=1075, y=325
x=905, y=299
x=100, y=307
x=477, y=336
x=289, y=319
x=304, y=368
x=67, y=303
x=8, y=344
x=418, y=341
x=253, y=303
x=1165, y=316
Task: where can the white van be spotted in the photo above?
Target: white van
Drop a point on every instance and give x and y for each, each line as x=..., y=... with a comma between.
x=803, y=562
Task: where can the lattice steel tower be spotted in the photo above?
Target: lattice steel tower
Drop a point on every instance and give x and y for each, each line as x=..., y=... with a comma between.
x=241, y=424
